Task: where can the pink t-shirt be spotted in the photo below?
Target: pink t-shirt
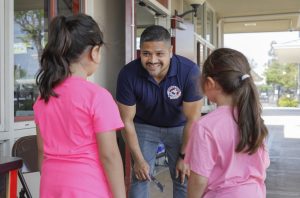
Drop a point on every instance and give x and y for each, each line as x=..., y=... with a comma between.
x=211, y=153
x=68, y=126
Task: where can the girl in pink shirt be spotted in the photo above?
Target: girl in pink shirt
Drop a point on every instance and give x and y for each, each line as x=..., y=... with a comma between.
x=76, y=119
x=226, y=151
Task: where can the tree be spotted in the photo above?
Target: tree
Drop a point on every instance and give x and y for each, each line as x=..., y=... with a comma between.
x=19, y=72
x=282, y=76
x=32, y=22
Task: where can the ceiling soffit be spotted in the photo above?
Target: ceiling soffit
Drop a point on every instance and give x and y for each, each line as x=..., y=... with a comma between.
x=257, y=15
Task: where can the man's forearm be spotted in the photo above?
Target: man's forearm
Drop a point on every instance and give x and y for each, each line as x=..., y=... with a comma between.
x=130, y=137
x=186, y=135
x=192, y=112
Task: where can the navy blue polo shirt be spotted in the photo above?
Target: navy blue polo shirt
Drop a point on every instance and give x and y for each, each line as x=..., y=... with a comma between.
x=159, y=104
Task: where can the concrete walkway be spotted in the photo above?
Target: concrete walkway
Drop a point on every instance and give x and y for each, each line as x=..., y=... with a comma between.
x=283, y=175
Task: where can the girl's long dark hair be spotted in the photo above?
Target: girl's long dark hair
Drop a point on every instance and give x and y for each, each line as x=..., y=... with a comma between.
x=68, y=38
x=227, y=66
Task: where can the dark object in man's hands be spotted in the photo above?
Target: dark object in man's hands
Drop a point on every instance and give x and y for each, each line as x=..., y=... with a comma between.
x=157, y=183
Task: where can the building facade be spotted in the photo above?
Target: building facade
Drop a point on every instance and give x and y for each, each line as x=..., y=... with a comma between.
x=23, y=34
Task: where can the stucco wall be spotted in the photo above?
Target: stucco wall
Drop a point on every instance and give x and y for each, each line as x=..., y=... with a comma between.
x=110, y=15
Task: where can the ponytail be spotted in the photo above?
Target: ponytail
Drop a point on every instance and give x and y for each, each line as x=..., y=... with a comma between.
x=231, y=70
x=55, y=67
x=68, y=38
x=252, y=129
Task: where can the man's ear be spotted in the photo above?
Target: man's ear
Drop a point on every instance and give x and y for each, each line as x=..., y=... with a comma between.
x=95, y=54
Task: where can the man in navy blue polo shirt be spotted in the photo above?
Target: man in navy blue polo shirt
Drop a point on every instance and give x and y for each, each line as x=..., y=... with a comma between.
x=159, y=98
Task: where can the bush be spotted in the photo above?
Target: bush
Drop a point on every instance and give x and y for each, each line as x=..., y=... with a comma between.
x=287, y=102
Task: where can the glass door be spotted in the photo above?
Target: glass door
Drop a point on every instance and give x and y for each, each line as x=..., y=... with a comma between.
x=31, y=19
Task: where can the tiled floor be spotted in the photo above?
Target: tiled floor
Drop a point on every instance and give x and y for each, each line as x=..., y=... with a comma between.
x=164, y=177
x=283, y=175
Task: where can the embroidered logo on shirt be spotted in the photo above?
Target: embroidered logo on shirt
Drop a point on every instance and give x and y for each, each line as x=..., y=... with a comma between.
x=173, y=92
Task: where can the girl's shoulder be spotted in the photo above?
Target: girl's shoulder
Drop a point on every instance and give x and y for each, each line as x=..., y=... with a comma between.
x=216, y=118
x=86, y=85
x=218, y=113
x=84, y=89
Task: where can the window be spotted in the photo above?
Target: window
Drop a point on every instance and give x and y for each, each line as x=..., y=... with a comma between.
x=30, y=36
x=29, y=40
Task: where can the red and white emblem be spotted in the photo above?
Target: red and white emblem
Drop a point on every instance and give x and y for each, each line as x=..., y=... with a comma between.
x=173, y=92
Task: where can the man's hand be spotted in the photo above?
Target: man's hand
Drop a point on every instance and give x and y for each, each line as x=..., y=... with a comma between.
x=182, y=170
x=141, y=170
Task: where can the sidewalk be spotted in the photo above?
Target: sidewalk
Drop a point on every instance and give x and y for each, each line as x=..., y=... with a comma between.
x=283, y=175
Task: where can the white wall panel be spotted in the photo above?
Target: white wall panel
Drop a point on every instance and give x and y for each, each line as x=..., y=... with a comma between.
x=1, y=65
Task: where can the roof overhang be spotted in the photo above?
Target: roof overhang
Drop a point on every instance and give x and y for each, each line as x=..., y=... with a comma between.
x=288, y=52
x=243, y=16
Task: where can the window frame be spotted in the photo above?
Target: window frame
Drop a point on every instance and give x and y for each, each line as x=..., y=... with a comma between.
x=27, y=124
x=52, y=12
x=209, y=33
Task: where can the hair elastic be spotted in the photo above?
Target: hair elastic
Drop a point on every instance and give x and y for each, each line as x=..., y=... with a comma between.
x=245, y=76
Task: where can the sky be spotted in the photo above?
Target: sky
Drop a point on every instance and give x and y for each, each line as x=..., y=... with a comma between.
x=257, y=45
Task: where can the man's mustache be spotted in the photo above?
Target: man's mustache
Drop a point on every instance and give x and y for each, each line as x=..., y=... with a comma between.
x=149, y=63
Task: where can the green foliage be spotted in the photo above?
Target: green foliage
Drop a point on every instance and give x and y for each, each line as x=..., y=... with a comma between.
x=285, y=101
x=284, y=75
x=19, y=72
x=32, y=24
x=264, y=88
